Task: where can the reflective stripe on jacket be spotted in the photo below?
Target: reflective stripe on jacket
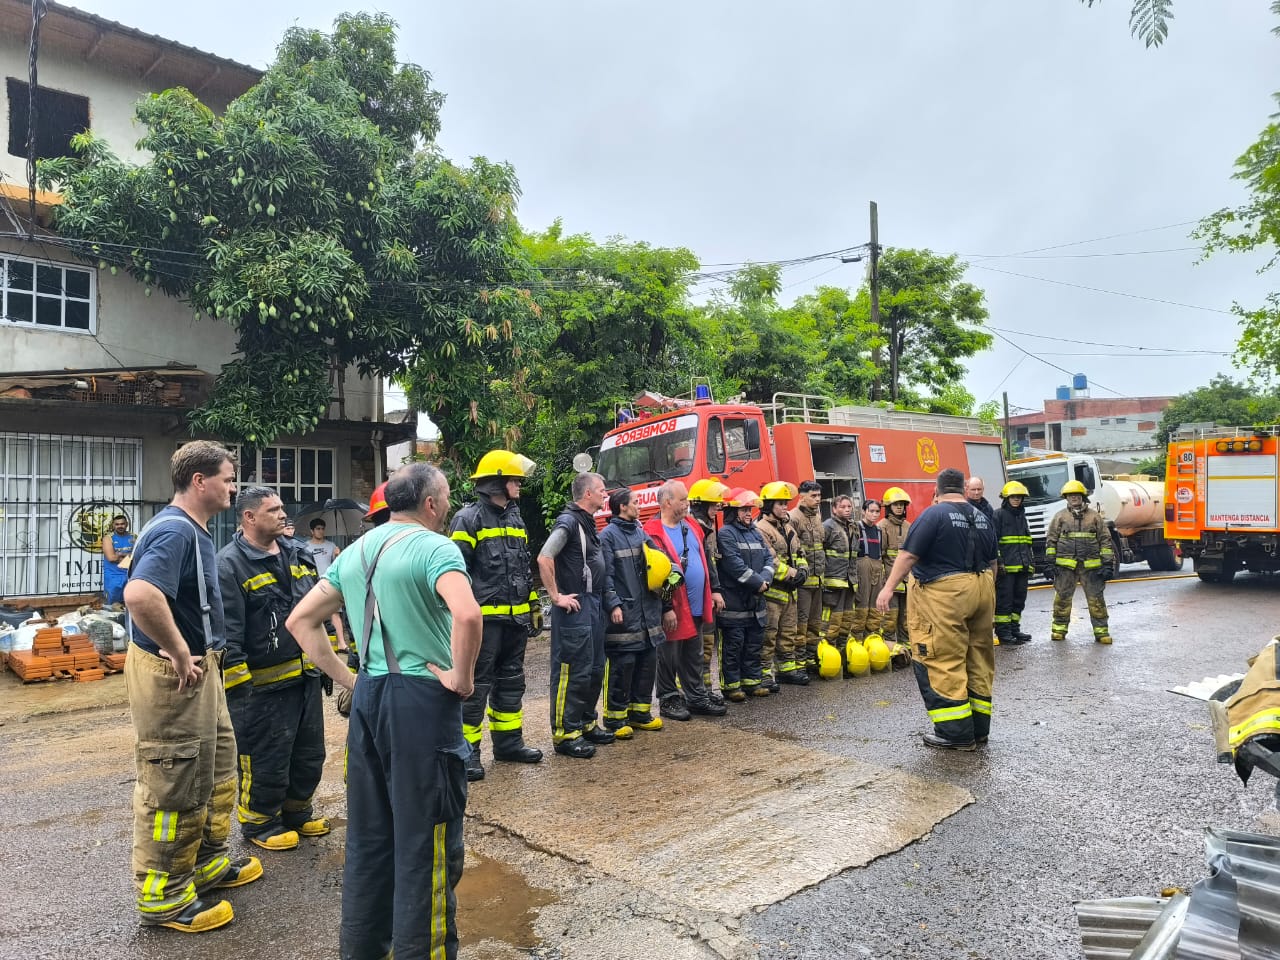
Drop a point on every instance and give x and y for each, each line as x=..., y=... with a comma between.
x=807, y=524
x=745, y=564
x=495, y=548
x=839, y=553
x=1079, y=540
x=626, y=586
x=1013, y=540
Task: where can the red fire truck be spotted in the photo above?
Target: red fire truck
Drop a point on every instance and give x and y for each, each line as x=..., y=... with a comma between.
x=861, y=451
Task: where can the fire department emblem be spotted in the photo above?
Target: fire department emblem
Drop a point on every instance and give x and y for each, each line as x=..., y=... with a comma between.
x=927, y=454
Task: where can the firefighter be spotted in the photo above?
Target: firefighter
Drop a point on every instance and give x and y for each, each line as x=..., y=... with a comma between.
x=633, y=573
x=490, y=533
x=839, y=545
x=705, y=497
x=894, y=526
x=868, y=571
x=1016, y=561
x=1078, y=545
x=273, y=691
x=746, y=569
x=781, y=642
x=806, y=519
x=951, y=553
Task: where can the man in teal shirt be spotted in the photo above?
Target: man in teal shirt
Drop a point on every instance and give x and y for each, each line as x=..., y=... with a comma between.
x=418, y=625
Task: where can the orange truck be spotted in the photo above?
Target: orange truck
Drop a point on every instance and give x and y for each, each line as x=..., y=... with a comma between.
x=860, y=451
x=1221, y=503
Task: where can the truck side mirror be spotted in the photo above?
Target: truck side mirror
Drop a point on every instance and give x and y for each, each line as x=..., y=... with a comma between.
x=753, y=434
x=1084, y=473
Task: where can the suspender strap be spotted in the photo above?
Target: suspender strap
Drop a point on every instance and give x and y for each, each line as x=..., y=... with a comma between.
x=371, y=608
x=206, y=611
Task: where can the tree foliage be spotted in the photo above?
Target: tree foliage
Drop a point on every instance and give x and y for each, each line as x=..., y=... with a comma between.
x=318, y=219
x=1148, y=20
x=1222, y=401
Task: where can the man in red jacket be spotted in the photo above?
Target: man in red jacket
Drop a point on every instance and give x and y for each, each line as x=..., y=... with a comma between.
x=680, y=657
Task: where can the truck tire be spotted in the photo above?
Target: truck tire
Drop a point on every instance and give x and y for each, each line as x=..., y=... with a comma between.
x=1220, y=574
x=1163, y=557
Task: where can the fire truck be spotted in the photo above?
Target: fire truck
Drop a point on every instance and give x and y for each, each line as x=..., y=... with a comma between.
x=1221, y=500
x=859, y=451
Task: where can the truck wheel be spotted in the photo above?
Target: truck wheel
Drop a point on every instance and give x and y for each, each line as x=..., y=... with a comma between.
x=1163, y=557
x=1221, y=574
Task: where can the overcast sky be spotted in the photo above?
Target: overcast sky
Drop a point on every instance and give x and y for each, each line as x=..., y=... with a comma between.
x=753, y=130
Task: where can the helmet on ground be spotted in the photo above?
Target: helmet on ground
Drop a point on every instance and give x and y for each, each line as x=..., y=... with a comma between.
x=741, y=497
x=707, y=491
x=779, y=490
x=503, y=463
x=1014, y=489
x=900, y=655
x=877, y=652
x=828, y=660
x=1073, y=486
x=657, y=567
x=856, y=660
x=378, y=503
x=895, y=495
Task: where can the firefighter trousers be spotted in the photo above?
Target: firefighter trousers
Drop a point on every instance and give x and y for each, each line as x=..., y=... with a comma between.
x=778, y=655
x=186, y=786
x=866, y=618
x=577, y=667
x=499, y=685
x=1064, y=585
x=837, y=610
x=628, y=685
x=893, y=624
x=406, y=794
x=710, y=646
x=280, y=736
x=1011, y=598
x=953, y=656
x=810, y=627
x=741, y=639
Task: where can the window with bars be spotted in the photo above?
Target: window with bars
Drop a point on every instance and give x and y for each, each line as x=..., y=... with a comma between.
x=48, y=295
x=301, y=475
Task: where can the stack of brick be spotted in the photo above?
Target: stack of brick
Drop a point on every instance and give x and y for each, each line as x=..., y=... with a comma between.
x=55, y=656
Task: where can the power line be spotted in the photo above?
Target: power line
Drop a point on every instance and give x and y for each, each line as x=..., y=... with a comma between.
x=1048, y=363
x=1096, y=343
x=1114, y=293
x=1076, y=256
x=1112, y=236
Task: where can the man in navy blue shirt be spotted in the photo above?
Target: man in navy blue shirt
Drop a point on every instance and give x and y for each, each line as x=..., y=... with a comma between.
x=186, y=750
x=951, y=553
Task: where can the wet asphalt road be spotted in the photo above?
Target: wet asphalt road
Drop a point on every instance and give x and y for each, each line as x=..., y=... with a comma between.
x=1096, y=783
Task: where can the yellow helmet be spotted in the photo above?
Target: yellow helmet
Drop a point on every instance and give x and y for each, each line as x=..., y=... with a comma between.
x=1014, y=489
x=877, y=652
x=707, y=491
x=828, y=660
x=657, y=566
x=895, y=495
x=855, y=658
x=779, y=490
x=503, y=463
x=1073, y=486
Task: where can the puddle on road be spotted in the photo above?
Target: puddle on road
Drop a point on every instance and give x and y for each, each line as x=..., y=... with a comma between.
x=496, y=903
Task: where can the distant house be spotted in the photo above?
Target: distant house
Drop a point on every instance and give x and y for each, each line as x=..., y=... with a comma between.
x=96, y=379
x=1119, y=431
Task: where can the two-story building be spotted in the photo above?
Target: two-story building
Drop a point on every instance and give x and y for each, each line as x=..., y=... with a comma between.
x=96, y=378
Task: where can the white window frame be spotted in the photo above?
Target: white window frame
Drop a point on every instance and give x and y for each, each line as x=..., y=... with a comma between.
x=291, y=492
x=62, y=298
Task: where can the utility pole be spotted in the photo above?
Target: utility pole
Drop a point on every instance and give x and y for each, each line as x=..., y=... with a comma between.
x=1008, y=436
x=875, y=303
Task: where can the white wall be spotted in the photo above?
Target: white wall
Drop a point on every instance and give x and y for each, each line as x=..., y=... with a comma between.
x=1112, y=436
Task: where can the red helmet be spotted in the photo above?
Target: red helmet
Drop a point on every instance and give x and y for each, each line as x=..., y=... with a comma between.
x=378, y=509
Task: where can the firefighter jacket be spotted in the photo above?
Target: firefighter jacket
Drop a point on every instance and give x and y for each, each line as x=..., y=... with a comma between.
x=626, y=585
x=841, y=553
x=893, y=533
x=690, y=541
x=789, y=562
x=1078, y=540
x=708, y=527
x=495, y=548
x=1013, y=540
x=1253, y=716
x=259, y=591
x=746, y=563
x=807, y=522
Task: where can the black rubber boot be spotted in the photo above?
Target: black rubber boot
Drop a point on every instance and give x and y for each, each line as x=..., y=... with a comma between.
x=475, y=769
x=509, y=747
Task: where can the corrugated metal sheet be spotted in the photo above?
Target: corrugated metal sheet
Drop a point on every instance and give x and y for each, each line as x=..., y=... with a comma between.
x=1233, y=914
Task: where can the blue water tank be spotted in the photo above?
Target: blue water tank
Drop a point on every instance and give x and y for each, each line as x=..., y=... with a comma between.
x=1080, y=382
x=1064, y=393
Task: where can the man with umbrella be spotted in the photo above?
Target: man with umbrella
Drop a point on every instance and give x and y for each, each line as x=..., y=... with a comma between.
x=495, y=547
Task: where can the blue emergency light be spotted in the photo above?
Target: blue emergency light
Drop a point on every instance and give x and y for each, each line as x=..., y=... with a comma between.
x=702, y=393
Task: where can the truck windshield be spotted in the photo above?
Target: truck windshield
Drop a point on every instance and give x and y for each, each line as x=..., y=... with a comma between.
x=1042, y=483
x=661, y=456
